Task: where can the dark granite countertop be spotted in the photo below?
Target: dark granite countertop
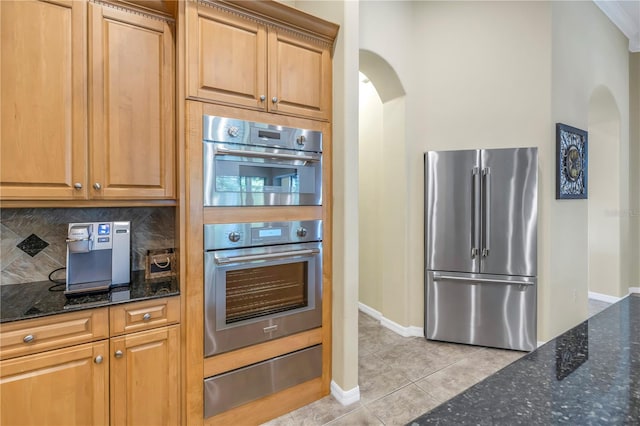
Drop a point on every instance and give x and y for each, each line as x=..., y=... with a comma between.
x=32, y=300
x=589, y=375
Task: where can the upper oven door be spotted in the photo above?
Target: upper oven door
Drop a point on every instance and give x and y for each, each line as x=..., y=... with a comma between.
x=237, y=175
x=258, y=294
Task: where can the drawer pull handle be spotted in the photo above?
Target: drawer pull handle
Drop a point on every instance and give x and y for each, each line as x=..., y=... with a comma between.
x=98, y=359
x=271, y=328
x=29, y=338
x=118, y=354
x=146, y=317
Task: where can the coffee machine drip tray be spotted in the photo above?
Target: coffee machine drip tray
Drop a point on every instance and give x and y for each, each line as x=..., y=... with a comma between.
x=84, y=288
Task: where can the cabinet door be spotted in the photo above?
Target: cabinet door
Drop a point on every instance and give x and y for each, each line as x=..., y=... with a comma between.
x=226, y=58
x=42, y=99
x=145, y=383
x=299, y=76
x=131, y=126
x=61, y=387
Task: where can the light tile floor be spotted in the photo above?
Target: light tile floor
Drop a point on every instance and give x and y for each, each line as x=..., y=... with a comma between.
x=401, y=378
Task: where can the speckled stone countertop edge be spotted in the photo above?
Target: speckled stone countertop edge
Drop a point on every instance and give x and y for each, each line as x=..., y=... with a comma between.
x=34, y=300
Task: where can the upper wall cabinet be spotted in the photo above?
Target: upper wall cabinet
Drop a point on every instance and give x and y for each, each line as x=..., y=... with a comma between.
x=131, y=91
x=43, y=144
x=87, y=95
x=241, y=57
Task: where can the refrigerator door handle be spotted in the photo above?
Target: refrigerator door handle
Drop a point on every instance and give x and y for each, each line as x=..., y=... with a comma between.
x=475, y=202
x=486, y=232
x=439, y=277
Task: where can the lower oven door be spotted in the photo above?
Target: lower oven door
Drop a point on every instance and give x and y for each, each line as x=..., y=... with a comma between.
x=258, y=294
x=236, y=175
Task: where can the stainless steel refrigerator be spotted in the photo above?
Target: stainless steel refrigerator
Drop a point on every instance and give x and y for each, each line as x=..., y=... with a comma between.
x=481, y=247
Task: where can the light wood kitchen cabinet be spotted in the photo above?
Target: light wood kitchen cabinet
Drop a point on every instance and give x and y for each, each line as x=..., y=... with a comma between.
x=87, y=96
x=145, y=362
x=131, y=65
x=43, y=120
x=68, y=386
x=299, y=76
x=145, y=381
x=139, y=316
x=226, y=57
x=51, y=332
x=238, y=60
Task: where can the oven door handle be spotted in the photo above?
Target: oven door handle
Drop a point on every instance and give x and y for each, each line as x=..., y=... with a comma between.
x=221, y=260
x=279, y=156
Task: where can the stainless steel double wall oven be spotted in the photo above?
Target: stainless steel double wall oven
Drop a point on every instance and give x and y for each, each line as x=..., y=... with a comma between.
x=262, y=280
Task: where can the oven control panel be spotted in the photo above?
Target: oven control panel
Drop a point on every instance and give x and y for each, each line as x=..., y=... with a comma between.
x=233, y=235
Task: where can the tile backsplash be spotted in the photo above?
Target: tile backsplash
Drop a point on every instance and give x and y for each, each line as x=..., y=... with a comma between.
x=32, y=241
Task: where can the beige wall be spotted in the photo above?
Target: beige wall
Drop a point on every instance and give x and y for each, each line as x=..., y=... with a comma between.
x=500, y=74
x=583, y=36
x=468, y=86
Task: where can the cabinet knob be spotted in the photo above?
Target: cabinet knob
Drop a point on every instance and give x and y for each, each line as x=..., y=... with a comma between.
x=262, y=98
x=28, y=338
x=118, y=354
x=146, y=317
x=97, y=186
x=274, y=99
x=98, y=359
x=77, y=185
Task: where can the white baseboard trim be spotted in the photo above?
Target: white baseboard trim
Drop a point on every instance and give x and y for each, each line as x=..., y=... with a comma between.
x=369, y=311
x=410, y=331
x=634, y=290
x=603, y=297
x=540, y=343
x=345, y=397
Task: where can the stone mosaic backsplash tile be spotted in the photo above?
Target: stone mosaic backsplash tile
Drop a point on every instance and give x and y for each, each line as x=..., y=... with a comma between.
x=32, y=245
x=151, y=228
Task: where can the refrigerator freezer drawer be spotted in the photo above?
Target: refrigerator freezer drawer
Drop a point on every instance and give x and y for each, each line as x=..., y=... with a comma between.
x=481, y=310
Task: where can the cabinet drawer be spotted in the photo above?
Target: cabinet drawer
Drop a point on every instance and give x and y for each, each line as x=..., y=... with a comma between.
x=144, y=315
x=56, y=331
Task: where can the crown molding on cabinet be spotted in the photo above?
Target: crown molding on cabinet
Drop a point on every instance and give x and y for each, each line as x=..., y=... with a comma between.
x=281, y=16
x=158, y=9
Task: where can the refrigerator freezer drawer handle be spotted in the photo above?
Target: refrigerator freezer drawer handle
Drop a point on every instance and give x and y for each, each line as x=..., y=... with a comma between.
x=438, y=277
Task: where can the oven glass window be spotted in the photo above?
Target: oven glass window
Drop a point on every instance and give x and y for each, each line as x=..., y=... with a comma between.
x=262, y=178
x=265, y=290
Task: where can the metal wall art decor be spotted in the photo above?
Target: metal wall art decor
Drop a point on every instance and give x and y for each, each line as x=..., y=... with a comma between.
x=571, y=162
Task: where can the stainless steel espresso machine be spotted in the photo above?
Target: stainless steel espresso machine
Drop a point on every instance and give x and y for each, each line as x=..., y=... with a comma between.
x=98, y=256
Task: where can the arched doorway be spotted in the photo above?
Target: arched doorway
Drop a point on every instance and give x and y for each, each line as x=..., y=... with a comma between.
x=608, y=200
x=382, y=192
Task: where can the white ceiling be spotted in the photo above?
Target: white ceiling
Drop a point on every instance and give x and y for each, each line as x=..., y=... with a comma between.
x=626, y=15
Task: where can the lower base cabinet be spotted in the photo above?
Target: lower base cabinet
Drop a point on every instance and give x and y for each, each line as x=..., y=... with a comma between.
x=67, y=386
x=132, y=378
x=145, y=386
